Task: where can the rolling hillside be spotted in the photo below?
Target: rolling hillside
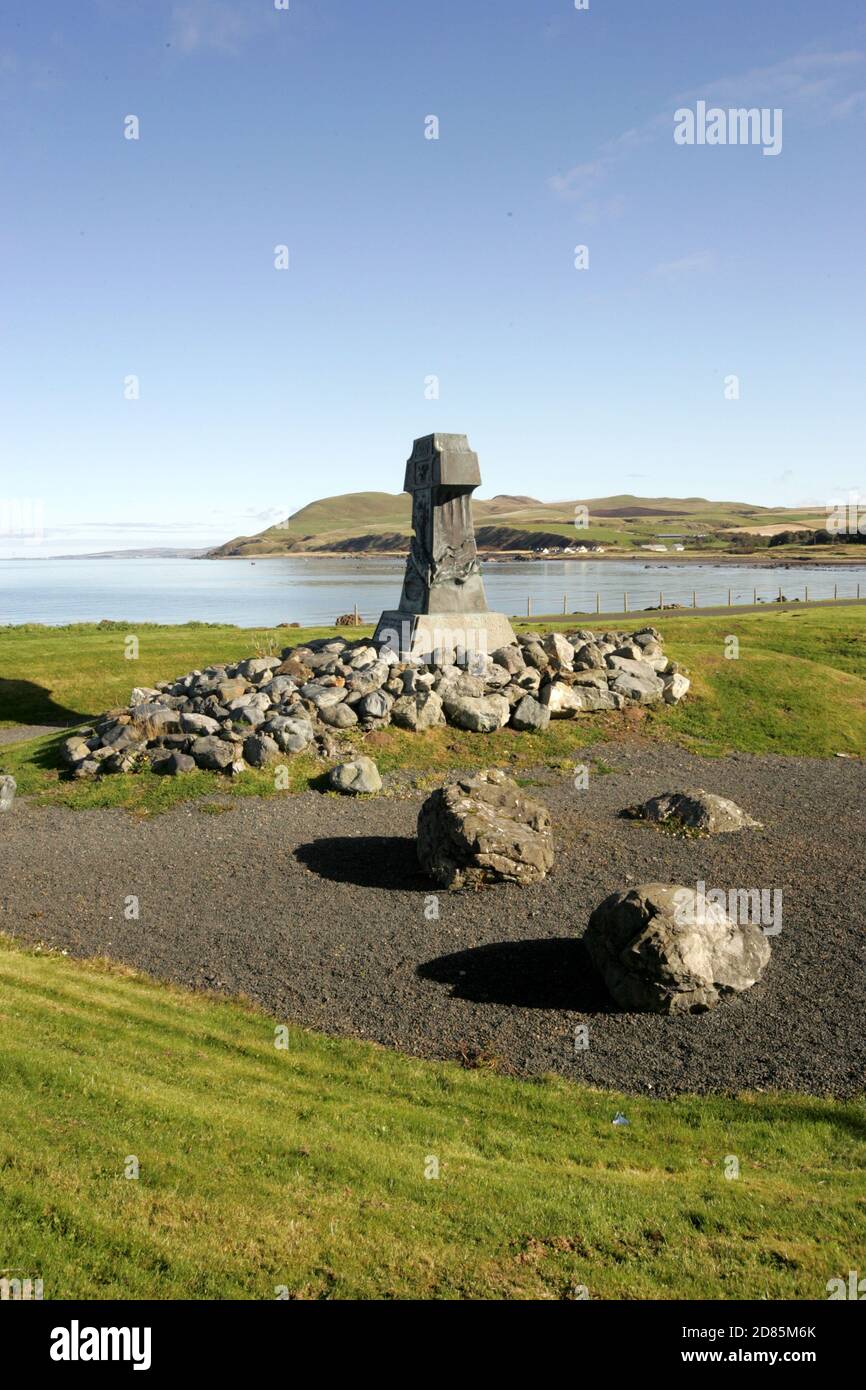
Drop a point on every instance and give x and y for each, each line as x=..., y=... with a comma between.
x=360, y=522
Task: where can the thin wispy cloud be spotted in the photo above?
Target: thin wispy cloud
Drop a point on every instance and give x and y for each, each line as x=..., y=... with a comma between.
x=852, y=105
x=265, y=515
x=809, y=78
x=210, y=24
x=818, y=84
x=577, y=181
x=697, y=264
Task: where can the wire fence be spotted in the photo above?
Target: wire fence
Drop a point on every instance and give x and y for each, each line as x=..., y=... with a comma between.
x=646, y=599
x=643, y=598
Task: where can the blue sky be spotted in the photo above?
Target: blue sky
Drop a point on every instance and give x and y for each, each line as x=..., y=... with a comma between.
x=262, y=389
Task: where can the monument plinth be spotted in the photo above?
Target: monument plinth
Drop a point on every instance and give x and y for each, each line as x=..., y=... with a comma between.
x=443, y=607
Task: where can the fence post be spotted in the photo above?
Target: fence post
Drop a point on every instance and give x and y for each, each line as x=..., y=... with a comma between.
x=528, y=606
x=835, y=590
x=564, y=603
x=807, y=593
x=729, y=599
x=597, y=601
x=858, y=590
x=694, y=598
x=780, y=593
x=625, y=602
x=755, y=597
x=661, y=600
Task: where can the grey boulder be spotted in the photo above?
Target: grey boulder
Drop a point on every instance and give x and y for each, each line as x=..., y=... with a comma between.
x=258, y=666
x=260, y=750
x=294, y=742
x=676, y=685
x=642, y=690
x=661, y=948
x=323, y=695
x=292, y=735
x=340, y=716
x=198, y=724
x=534, y=655
x=559, y=649
x=511, y=658
x=484, y=829
x=361, y=776
x=174, y=764
x=592, y=700
x=370, y=678
x=530, y=715
x=589, y=657
x=215, y=754
x=157, y=718
x=463, y=684
x=376, y=705
x=642, y=670
x=695, y=810
x=74, y=750
x=250, y=715
x=480, y=714
x=560, y=700
x=418, y=712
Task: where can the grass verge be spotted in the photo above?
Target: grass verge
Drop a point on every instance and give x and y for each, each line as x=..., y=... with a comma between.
x=304, y=1167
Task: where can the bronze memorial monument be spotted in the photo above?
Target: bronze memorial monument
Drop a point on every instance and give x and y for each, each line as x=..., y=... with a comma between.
x=442, y=607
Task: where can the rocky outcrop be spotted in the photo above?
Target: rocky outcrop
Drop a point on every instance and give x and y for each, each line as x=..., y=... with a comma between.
x=662, y=948
x=484, y=829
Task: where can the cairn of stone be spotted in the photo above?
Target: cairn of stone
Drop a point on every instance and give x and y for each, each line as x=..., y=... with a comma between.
x=255, y=712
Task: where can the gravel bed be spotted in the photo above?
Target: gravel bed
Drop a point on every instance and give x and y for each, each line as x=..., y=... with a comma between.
x=23, y=733
x=314, y=906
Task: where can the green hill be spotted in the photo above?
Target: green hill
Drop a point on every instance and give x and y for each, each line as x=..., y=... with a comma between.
x=382, y=521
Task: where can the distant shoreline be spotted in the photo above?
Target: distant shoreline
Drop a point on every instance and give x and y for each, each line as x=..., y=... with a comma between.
x=758, y=560
x=672, y=560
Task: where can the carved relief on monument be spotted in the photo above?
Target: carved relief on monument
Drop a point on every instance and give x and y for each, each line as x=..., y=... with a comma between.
x=455, y=558
x=416, y=582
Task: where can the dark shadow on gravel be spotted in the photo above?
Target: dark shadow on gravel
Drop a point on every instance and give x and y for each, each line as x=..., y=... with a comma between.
x=369, y=861
x=555, y=973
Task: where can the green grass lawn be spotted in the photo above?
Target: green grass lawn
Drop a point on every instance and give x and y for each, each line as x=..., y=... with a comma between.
x=798, y=686
x=304, y=1167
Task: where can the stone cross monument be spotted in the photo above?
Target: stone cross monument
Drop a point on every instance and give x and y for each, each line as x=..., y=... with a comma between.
x=442, y=607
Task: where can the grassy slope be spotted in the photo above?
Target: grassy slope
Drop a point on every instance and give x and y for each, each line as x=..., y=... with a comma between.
x=798, y=687
x=51, y=674
x=305, y=1167
x=624, y=520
